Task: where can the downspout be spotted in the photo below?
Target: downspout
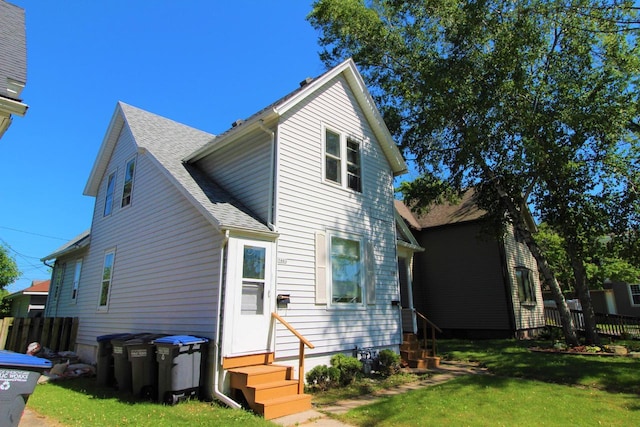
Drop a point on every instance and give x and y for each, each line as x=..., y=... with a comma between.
x=272, y=177
x=217, y=392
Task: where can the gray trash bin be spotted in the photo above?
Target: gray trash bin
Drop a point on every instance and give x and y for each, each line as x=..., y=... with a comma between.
x=104, y=370
x=19, y=375
x=121, y=364
x=144, y=369
x=181, y=363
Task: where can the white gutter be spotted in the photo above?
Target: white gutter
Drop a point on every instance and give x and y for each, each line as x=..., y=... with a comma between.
x=217, y=364
x=272, y=171
x=12, y=106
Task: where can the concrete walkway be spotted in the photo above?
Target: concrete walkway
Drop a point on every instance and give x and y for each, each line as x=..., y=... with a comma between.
x=320, y=417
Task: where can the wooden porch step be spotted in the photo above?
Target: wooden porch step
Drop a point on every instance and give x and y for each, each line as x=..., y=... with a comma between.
x=281, y=406
x=272, y=390
x=424, y=363
x=259, y=374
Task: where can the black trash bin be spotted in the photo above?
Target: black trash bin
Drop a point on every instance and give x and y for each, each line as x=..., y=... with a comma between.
x=104, y=371
x=144, y=368
x=19, y=375
x=121, y=364
x=181, y=363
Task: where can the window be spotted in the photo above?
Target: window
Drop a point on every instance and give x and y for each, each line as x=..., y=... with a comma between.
x=346, y=271
x=526, y=289
x=342, y=160
x=60, y=272
x=253, y=280
x=76, y=280
x=128, y=182
x=107, y=275
x=108, y=199
x=634, y=290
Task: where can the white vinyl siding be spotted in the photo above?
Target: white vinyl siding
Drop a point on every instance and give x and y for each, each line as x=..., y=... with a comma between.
x=309, y=210
x=166, y=276
x=243, y=168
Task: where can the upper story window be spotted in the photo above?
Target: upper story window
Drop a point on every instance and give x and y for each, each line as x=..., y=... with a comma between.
x=108, y=198
x=526, y=289
x=342, y=160
x=128, y=182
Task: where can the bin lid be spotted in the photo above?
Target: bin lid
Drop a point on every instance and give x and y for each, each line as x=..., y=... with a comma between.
x=19, y=360
x=180, y=339
x=110, y=337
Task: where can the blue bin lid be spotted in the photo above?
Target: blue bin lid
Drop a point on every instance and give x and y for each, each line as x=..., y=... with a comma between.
x=19, y=360
x=180, y=340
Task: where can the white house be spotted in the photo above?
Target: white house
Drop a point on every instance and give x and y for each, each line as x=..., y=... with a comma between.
x=290, y=211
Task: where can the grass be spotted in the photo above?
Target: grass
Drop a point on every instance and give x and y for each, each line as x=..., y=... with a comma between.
x=526, y=388
x=80, y=402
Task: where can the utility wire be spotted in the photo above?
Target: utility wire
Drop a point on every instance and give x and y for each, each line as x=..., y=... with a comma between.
x=34, y=234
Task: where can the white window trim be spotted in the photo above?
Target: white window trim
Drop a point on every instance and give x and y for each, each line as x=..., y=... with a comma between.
x=629, y=285
x=344, y=181
x=77, y=272
x=133, y=159
x=105, y=307
x=329, y=272
x=532, y=286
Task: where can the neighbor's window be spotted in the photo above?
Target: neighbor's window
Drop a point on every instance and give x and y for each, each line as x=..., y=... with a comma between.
x=635, y=294
x=342, y=160
x=60, y=272
x=128, y=182
x=526, y=289
x=346, y=270
x=76, y=279
x=107, y=275
x=108, y=198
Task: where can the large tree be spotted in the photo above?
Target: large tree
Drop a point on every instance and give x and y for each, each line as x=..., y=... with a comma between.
x=533, y=103
x=8, y=274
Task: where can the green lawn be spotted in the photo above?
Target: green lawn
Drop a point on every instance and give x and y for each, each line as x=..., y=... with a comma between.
x=526, y=388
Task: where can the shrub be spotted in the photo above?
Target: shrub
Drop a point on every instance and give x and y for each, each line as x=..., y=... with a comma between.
x=323, y=377
x=350, y=368
x=389, y=362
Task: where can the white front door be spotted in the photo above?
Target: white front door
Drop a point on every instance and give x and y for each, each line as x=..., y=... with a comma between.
x=248, y=299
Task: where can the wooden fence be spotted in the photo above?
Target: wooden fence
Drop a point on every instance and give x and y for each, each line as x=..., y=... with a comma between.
x=614, y=325
x=55, y=333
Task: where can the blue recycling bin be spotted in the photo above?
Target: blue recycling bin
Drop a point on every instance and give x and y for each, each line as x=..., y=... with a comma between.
x=181, y=364
x=19, y=375
x=104, y=371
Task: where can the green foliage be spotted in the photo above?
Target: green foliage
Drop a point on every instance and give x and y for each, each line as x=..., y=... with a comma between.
x=350, y=368
x=389, y=362
x=323, y=377
x=5, y=304
x=9, y=272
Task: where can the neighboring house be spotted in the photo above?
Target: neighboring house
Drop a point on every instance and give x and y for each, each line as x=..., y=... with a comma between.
x=13, y=63
x=468, y=283
x=617, y=298
x=290, y=211
x=30, y=302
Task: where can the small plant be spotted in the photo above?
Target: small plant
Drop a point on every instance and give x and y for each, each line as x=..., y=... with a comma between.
x=323, y=377
x=350, y=368
x=389, y=362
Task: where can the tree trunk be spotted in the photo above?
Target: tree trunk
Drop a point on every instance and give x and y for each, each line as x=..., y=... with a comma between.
x=568, y=328
x=580, y=277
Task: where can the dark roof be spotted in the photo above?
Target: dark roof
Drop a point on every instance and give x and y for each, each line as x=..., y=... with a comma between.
x=13, y=47
x=443, y=214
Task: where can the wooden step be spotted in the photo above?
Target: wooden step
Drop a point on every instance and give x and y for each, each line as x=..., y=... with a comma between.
x=424, y=363
x=281, y=406
x=248, y=360
x=272, y=390
x=258, y=374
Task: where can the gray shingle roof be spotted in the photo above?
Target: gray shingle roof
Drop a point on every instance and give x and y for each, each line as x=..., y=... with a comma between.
x=13, y=46
x=168, y=142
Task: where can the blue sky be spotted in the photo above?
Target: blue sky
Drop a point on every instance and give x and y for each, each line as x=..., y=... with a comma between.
x=204, y=63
